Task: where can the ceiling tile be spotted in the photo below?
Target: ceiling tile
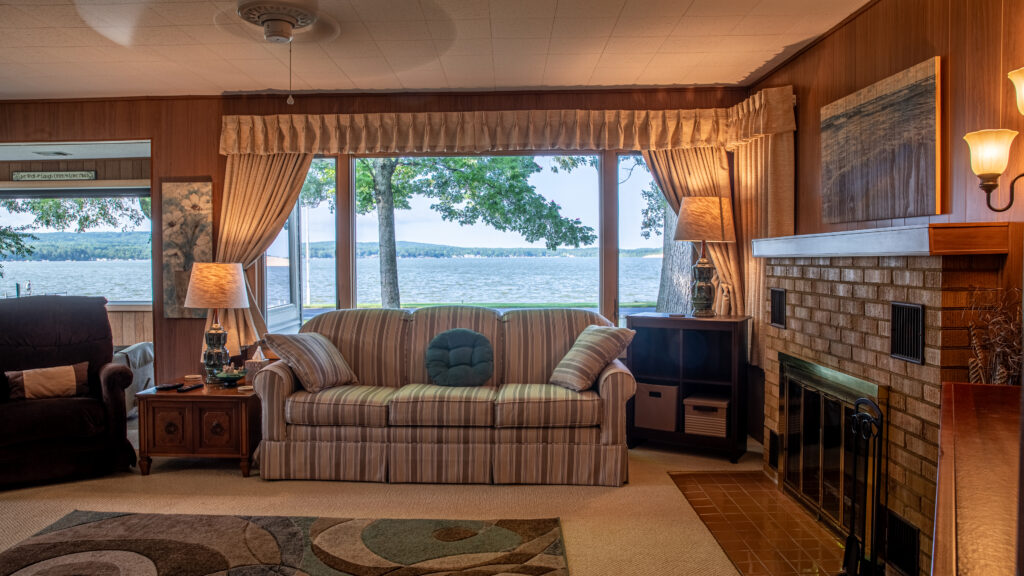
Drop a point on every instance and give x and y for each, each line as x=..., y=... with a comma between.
x=456, y=62
x=634, y=60
x=501, y=9
x=677, y=61
x=53, y=15
x=706, y=26
x=133, y=16
x=582, y=27
x=219, y=34
x=19, y=37
x=423, y=49
x=524, y=46
x=387, y=10
x=14, y=17
x=664, y=76
x=666, y=9
x=189, y=13
x=644, y=26
x=630, y=45
x=722, y=7
x=577, y=45
x=614, y=76
x=455, y=9
x=451, y=29
x=574, y=9
x=763, y=25
x=566, y=78
x=403, y=30
x=677, y=45
x=468, y=46
x=560, y=61
x=250, y=51
x=521, y=28
x=732, y=44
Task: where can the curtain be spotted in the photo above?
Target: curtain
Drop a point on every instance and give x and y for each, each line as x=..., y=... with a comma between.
x=702, y=172
x=764, y=177
x=260, y=192
x=475, y=132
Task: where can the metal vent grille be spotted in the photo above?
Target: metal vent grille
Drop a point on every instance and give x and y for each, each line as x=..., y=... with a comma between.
x=902, y=545
x=778, y=318
x=907, y=339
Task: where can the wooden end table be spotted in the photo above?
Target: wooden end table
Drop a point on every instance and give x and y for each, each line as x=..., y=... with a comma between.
x=208, y=422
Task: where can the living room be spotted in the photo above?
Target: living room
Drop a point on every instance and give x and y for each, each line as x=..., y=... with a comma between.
x=525, y=171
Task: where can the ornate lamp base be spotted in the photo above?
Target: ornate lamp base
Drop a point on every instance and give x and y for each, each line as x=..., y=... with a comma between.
x=702, y=291
x=216, y=354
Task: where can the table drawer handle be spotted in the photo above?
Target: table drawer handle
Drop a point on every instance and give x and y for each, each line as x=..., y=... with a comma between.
x=217, y=429
x=171, y=428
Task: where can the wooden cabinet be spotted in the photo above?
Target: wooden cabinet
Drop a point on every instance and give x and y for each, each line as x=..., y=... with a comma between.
x=674, y=358
x=205, y=423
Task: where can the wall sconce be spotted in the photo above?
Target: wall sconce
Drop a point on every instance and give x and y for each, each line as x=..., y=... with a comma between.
x=990, y=150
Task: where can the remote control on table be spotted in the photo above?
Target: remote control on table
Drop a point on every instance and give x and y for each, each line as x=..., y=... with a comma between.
x=164, y=387
x=192, y=387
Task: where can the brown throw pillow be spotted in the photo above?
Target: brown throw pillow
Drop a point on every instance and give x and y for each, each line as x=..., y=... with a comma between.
x=593, y=350
x=315, y=360
x=53, y=382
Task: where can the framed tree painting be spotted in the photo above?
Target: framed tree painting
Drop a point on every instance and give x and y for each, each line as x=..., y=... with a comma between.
x=187, y=232
x=880, y=148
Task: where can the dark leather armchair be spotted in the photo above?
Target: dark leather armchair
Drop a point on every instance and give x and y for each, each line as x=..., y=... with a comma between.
x=52, y=439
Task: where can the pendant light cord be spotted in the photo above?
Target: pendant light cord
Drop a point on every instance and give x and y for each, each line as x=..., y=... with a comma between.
x=290, y=101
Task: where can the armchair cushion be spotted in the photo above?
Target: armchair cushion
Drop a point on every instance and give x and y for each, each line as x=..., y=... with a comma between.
x=316, y=361
x=52, y=382
x=595, y=347
x=70, y=419
x=541, y=405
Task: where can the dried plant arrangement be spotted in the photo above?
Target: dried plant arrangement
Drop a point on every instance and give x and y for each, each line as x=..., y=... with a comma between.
x=994, y=334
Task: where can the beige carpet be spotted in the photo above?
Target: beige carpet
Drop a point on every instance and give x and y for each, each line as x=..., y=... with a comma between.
x=645, y=528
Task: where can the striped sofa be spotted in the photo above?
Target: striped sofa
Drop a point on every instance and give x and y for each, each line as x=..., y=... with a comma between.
x=394, y=427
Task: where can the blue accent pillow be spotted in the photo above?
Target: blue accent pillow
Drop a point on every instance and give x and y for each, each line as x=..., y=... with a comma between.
x=460, y=357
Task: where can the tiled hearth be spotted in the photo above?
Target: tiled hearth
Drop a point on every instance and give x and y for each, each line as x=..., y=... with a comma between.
x=838, y=316
x=763, y=532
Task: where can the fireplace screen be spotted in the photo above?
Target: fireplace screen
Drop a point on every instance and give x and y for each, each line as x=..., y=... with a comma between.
x=818, y=448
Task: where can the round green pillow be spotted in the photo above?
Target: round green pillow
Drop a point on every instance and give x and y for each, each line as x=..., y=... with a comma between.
x=460, y=357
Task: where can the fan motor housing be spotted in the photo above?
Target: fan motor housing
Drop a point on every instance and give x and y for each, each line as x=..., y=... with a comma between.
x=278, y=19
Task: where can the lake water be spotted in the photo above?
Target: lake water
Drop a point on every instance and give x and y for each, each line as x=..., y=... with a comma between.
x=421, y=280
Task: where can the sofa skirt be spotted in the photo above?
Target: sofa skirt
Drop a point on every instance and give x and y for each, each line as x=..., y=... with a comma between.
x=354, y=462
x=585, y=464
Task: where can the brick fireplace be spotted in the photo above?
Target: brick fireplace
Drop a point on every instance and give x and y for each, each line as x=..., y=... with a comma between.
x=838, y=316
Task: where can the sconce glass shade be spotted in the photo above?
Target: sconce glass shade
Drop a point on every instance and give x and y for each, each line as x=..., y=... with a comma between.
x=1017, y=77
x=990, y=150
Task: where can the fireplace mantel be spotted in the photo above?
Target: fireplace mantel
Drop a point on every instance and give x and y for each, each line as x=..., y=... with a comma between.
x=920, y=240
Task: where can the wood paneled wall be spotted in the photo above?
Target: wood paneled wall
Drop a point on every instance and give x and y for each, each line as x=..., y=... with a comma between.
x=185, y=132
x=106, y=169
x=979, y=42
x=130, y=325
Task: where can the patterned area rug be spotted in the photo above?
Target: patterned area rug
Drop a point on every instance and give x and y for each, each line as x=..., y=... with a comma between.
x=106, y=543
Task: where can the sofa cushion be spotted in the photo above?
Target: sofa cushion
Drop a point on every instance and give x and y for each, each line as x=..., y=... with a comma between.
x=341, y=406
x=460, y=357
x=432, y=405
x=536, y=405
x=428, y=322
x=373, y=342
x=70, y=419
x=593, y=350
x=314, y=358
x=52, y=382
x=536, y=340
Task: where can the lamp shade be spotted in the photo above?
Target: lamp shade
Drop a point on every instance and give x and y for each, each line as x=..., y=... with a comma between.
x=1017, y=77
x=707, y=218
x=216, y=285
x=990, y=150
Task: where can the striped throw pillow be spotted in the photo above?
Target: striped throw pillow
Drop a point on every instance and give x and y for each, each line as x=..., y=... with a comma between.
x=55, y=382
x=593, y=350
x=316, y=361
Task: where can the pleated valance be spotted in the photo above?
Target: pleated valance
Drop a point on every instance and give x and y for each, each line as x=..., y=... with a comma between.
x=766, y=112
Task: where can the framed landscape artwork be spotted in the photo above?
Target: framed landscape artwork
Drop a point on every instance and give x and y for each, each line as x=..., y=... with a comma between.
x=880, y=147
x=187, y=226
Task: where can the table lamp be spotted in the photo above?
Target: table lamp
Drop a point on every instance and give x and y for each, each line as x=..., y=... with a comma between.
x=704, y=219
x=214, y=286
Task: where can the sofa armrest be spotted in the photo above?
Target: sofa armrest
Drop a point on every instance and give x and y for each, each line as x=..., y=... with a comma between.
x=274, y=384
x=114, y=379
x=616, y=386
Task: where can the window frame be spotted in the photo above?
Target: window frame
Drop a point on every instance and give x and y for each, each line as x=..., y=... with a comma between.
x=287, y=318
